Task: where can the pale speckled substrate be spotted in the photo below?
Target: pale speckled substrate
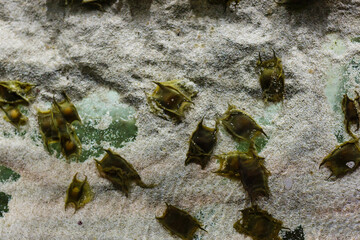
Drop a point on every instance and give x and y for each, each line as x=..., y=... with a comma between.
x=126, y=49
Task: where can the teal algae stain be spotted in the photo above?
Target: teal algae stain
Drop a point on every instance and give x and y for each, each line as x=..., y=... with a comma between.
x=4, y=200
x=335, y=44
x=11, y=131
x=334, y=92
x=260, y=141
x=339, y=136
x=341, y=81
x=243, y=146
x=336, y=87
x=105, y=123
x=296, y=234
x=203, y=217
x=198, y=237
x=356, y=39
x=6, y=174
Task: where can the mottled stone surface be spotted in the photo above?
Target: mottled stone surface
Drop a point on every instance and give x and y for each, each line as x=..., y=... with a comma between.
x=132, y=43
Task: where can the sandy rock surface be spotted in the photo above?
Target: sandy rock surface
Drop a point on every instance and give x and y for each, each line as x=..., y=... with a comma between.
x=132, y=43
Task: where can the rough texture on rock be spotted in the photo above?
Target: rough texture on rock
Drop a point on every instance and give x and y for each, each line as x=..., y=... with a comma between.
x=130, y=44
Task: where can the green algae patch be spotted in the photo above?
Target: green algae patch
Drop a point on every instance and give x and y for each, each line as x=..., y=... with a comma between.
x=260, y=143
x=106, y=123
x=339, y=136
x=335, y=44
x=356, y=39
x=205, y=216
x=6, y=174
x=341, y=80
x=296, y=234
x=243, y=146
x=336, y=87
x=4, y=200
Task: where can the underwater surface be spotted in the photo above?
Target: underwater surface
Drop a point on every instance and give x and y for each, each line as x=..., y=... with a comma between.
x=197, y=119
